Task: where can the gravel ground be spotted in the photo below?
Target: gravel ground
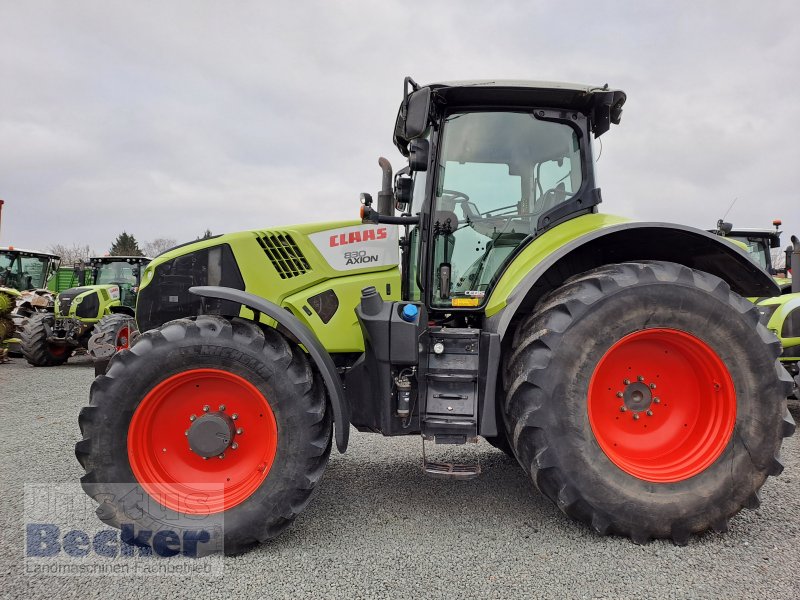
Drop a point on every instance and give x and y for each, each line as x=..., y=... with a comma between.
x=379, y=528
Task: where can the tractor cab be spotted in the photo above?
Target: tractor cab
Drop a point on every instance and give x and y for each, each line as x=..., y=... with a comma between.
x=125, y=272
x=25, y=269
x=491, y=166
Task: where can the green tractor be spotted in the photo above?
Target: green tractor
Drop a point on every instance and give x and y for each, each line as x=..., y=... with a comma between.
x=483, y=295
x=758, y=243
x=24, y=275
x=103, y=303
x=780, y=314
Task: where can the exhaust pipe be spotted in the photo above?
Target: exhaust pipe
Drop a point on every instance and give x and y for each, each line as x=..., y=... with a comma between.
x=794, y=264
x=386, y=195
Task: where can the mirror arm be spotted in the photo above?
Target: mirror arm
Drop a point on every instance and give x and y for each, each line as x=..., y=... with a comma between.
x=369, y=215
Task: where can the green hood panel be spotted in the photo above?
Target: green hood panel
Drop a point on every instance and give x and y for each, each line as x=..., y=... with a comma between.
x=290, y=265
x=542, y=247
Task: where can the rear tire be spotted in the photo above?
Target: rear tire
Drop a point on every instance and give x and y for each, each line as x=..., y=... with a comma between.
x=132, y=409
x=700, y=462
x=35, y=347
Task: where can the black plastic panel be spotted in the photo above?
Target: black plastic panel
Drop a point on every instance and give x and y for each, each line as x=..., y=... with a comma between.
x=167, y=296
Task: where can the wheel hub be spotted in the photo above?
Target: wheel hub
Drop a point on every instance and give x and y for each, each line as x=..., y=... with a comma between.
x=637, y=397
x=211, y=434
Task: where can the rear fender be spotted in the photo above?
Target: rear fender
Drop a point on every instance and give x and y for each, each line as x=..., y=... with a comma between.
x=616, y=243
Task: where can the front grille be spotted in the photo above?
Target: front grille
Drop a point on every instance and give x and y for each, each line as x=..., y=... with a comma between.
x=89, y=307
x=167, y=296
x=284, y=254
x=66, y=297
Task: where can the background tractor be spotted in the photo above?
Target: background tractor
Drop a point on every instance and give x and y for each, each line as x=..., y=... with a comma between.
x=759, y=244
x=24, y=275
x=780, y=314
x=482, y=295
x=103, y=303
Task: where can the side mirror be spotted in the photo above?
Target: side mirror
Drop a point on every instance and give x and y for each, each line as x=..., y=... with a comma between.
x=418, y=151
x=403, y=190
x=417, y=108
x=724, y=228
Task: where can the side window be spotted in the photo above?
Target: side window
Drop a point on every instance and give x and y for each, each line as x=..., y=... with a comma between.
x=498, y=173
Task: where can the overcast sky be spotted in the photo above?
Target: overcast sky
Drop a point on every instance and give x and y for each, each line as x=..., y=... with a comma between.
x=167, y=118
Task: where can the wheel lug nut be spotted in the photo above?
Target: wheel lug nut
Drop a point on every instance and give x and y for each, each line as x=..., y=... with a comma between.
x=657, y=400
x=640, y=378
x=206, y=408
x=221, y=455
x=622, y=408
x=222, y=407
x=240, y=431
x=234, y=416
x=649, y=413
x=234, y=445
x=205, y=458
x=626, y=381
x=652, y=386
x=193, y=417
x=619, y=394
x=635, y=416
x=186, y=432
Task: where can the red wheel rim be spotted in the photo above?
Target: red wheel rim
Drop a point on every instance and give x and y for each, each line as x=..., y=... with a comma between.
x=174, y=475
x=123, y=340
x=662, y=405
x=57, y=350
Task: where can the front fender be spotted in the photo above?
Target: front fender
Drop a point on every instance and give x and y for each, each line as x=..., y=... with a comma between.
x=320, y=356
x=594, y=240
x=783, y=314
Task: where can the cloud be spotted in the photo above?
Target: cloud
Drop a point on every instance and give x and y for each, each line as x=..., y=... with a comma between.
x=165, y=119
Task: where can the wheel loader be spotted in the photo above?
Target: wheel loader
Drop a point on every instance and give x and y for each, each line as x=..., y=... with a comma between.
x=481, y=294
x=103, y=303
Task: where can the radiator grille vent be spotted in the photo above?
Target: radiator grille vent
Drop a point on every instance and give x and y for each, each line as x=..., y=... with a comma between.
x=286, y=257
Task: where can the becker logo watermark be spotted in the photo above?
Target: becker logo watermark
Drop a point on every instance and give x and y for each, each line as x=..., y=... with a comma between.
x=64, y=536
x=358, y=236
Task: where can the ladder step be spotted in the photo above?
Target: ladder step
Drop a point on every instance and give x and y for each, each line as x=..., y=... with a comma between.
x=451, y=470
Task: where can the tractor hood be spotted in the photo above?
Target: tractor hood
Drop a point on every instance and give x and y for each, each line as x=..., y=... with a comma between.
x=271, y=263
x=84, y=302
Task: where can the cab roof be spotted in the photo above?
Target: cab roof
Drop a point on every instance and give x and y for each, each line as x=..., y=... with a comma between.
x=603, y=105
x=28, y=252
x=525, y=93
x=120, y=258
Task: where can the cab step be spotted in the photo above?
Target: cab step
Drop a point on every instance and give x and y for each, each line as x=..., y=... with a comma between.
x=451, y=470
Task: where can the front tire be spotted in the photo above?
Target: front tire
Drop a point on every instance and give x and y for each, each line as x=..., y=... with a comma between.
x=35, y=347
x=111, y=334
x=646, y=400
x=138, y=428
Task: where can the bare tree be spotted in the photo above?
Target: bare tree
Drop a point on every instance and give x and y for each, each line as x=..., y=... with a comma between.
x=157, y=246
x=71, y=254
